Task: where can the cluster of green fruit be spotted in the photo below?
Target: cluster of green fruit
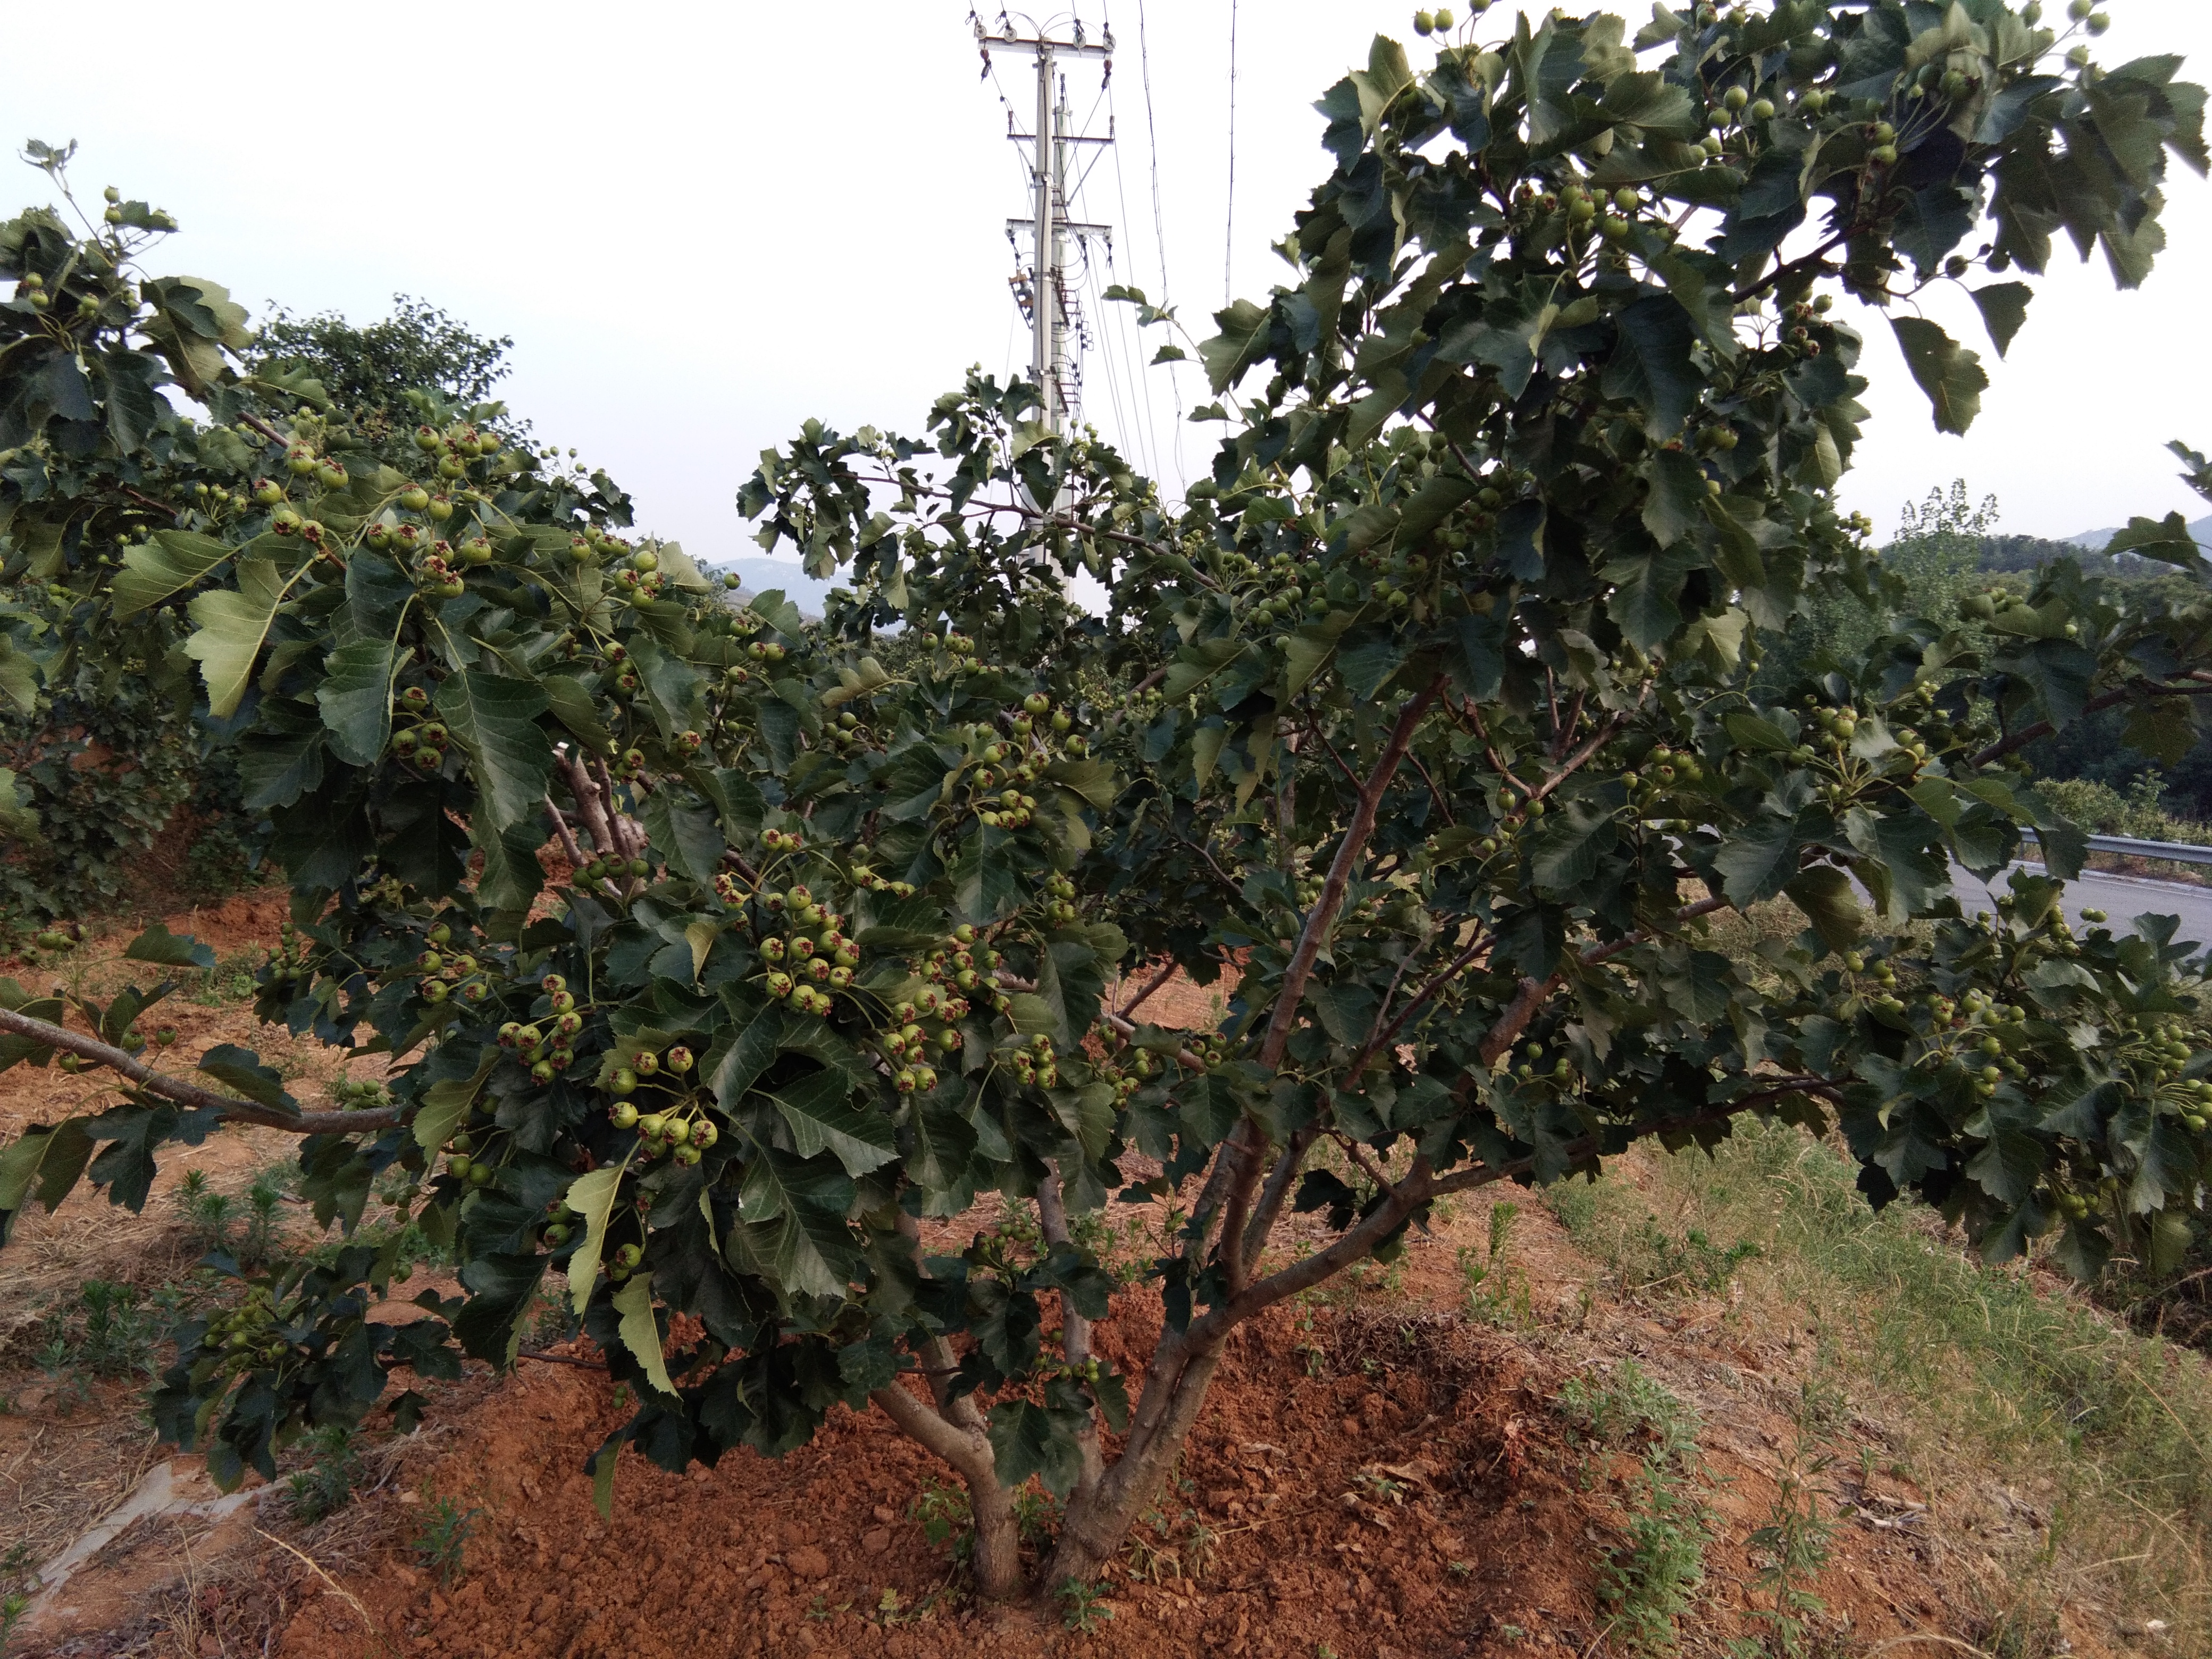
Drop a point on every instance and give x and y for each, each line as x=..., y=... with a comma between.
x=62, y=936
x=1995, y=602
x=246, y=1335
x=2156, y=1049
x=641, y=575
x=1530, y=1067
x=348, y=1094
x=610, y=866
x=1034, y=1065
x=1441, y=20
x=1665, y=771
x=463, y=1165
x=680, y=1129
x=962, y=650
x=1001, y=765
x=845, y=733
x=547, y=1052
x=815, y=947
x=2057, y=933
x=1123, y=1065
x=455, y=974
x=422, y=743
x=290, y=961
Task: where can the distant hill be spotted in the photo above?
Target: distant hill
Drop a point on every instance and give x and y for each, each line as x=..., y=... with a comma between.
x=2094, y=540
x=759, y=575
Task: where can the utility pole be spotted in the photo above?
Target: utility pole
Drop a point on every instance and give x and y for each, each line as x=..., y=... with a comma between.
x=1047, y=300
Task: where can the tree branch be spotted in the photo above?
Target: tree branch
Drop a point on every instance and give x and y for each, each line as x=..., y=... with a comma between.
x=1318, y=920
x=1157, y=980
x=182, y=1093
x=2028, y=734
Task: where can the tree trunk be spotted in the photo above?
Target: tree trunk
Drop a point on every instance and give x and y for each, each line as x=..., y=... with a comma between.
x=1097, y=1523
x=998, y=1559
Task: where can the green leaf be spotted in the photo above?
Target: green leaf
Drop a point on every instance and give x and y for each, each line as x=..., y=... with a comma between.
x=230, y=625
x=1676, y=503
x=1825, y=894
x=157, y=944
x=356, y=700
x=1029, y=1439
x=495, y=721
x=685, y=834
x=591, y=1195
x=1651, y=364
x=19, y=678
x=2004, y=306
x=447, y=1101
x=822, y=1116
x=171, y=561
x=603, y=1477
x=1951, y=375
x=2168, y=541
x=1750, y=730
x=573, y=706
x=241, y=1070
x=45, y=1162
x=641, y=1331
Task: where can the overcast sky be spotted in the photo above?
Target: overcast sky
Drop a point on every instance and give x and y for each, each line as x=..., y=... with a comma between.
x=703, y=223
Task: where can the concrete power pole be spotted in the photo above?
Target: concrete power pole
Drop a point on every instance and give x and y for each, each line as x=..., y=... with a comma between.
x=1047, y=300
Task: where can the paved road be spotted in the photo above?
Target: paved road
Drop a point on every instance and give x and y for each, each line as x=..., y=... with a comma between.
x=2123, y=897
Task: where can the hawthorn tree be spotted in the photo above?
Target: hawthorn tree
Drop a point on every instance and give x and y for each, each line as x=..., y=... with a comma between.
x=714, y=958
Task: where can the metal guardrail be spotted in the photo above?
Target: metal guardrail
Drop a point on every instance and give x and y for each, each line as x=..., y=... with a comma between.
x=2176, y=852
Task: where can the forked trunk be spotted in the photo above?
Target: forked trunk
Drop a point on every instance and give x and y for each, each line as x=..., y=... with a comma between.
x=1098, y=1521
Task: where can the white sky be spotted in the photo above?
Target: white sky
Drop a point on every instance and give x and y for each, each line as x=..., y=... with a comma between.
x=703, y=223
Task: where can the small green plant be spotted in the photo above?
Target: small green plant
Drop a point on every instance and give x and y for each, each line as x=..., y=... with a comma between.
x=326, y=1485
x=1795, y=1544
x=1652, y=1578
x=1496, y=1294
x=111, y=1330
x=945, y=1518
x=442, y=1537
x=205, y=1212
x=17, y=1576
x=1036, y=1515
x=1083, y=1607
x=1614, y=1410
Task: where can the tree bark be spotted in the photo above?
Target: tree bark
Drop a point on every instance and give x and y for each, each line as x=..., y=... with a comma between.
x=998, y=1557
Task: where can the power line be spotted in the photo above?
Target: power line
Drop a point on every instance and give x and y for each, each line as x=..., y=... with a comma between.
x=1160, y=226
x=1228, y=238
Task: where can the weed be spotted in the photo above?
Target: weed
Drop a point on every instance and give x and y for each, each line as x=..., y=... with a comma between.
x=442, y=1536
x=1653, y=1578
x=204, y=1212
x=1036, y=1514
x=113, y=1330
x=18, y=1575
x=326, y=1485
x=1083, y=1607
x=555, y=1321
x=1614, y=1410
x=1161, y=1556
x=1496, y=1295
x=945, y=1518
x=1794, y=1543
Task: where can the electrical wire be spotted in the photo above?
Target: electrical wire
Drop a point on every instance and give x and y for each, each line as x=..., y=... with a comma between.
x=1160, y=232
x=1124, y=328
x=1229, y=218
